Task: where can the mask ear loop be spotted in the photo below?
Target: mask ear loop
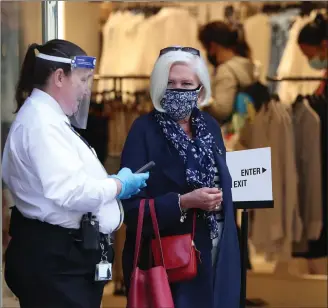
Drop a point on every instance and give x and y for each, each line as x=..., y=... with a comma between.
x=200, y=93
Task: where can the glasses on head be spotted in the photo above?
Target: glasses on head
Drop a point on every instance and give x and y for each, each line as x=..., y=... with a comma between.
x=190, y=50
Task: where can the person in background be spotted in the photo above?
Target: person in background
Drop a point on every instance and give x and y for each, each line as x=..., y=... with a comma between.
x=313, y=41
x=55, y=179
x=231, y=57
x=190, y=175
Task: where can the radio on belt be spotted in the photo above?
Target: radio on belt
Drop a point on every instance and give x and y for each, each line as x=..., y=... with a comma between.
x=90, y=232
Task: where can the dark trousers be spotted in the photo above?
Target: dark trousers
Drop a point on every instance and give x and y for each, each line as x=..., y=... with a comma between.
x=47, y=267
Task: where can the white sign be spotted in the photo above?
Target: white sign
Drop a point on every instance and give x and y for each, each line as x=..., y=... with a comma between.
x=251, y=174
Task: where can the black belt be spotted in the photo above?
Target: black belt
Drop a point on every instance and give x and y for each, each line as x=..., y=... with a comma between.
x=19, y=225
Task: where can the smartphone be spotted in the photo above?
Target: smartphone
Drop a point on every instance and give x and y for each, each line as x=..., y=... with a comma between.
x=146, y=167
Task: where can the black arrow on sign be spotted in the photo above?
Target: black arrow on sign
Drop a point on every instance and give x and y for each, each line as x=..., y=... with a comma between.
x=263, y=170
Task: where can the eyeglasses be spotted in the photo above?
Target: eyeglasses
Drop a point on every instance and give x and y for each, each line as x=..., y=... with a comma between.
x=191, y=50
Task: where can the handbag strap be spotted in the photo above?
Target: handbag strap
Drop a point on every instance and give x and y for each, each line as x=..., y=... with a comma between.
x=139, y=231
x=156, y=228
x=193, y=225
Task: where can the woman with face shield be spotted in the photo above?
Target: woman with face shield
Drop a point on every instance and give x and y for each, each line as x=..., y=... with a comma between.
x=190, y=184
x=313, y=41
x=66, y=206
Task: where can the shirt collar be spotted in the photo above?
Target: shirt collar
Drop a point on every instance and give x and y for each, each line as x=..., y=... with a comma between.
x=47, y=99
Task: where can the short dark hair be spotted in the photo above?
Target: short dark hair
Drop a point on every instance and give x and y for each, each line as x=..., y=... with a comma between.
x=221, y=33
x=35, y=71
x=314, y=32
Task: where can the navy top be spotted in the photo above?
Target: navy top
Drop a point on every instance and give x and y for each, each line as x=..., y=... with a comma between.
x=214, y=287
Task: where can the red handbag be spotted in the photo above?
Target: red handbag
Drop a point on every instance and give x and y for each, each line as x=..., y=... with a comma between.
x=180, y=254
x=149, y=288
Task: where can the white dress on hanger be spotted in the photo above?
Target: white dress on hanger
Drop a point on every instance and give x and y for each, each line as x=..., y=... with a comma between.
x=258, y=36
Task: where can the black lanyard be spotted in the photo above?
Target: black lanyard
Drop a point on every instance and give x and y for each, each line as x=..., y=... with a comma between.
x=82, y=138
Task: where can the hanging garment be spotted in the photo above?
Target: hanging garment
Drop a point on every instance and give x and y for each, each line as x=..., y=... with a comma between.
x=117, y=128
x=121, y=130
x=131, y=111
x=318, y=248
x=280, y=25
x=274, y=230
x=127, y=49
x=112, y=129
x=119, y=36
x=10, y=64
x=258, y=36
x=172, y=26
x=307, y=134
x=293, y=223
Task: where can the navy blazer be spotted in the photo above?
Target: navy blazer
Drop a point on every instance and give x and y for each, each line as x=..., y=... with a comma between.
x=214, y=287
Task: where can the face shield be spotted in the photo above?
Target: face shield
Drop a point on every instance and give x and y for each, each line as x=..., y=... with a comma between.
x=82, y=73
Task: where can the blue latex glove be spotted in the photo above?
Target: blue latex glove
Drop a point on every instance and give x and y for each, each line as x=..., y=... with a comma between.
x=131, y=183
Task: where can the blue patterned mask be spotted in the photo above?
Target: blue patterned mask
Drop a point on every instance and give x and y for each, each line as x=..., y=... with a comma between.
x=179, y=103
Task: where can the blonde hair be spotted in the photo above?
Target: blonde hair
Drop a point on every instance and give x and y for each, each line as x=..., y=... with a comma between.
x=160, y=76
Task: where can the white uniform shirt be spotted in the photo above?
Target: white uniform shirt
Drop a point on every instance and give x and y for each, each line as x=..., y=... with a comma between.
x=53, y=175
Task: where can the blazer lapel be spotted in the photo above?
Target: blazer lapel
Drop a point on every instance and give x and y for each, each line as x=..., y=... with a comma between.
x=223, y=170
x=167, y=158
x=173, y=166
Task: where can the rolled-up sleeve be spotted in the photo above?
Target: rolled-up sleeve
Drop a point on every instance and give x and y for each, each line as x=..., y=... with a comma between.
x=61, y=171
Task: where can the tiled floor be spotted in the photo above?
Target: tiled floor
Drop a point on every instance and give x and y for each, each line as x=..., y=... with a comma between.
x=280, y=292
x=114, y=302
x=108, y=302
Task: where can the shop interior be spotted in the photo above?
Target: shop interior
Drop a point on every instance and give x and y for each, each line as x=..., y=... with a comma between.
x=126, y=38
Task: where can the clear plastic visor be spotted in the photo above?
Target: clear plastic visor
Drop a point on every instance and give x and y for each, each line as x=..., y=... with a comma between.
x=82, y=79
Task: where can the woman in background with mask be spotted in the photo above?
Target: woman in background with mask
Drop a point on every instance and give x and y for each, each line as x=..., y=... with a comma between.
x=313, y=41
x=190, y=175
x=230, y=55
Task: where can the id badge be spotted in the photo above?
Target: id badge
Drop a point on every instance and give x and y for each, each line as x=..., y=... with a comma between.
x=103, y=271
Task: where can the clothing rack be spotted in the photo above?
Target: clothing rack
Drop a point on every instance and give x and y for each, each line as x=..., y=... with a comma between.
x=300, y=79
x=118, y=83
x=100, y=77
x=152, y=8
x=245, y=214
x=306, y=7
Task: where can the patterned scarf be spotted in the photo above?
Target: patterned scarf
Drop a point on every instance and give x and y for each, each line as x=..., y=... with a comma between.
x=196, y=153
